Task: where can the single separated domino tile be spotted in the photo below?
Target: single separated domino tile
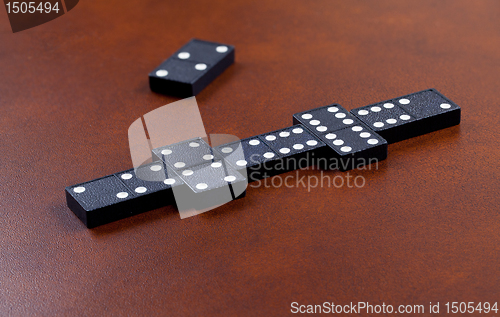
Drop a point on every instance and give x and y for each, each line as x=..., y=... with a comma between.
x=209, y=184
x=296, y=147
x=410, y=115
x=325, y=119
x=353, y=147
x=186, y=154
x=192, y=68
x=251, y=157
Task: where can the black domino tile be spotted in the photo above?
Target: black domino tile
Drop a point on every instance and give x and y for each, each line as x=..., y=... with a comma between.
x=296, y=146
x=353, y=148
x=101, y=201
x=251, y=157
x=191, y=68
x=326, y=119
x=186, y=154
x=410, y=115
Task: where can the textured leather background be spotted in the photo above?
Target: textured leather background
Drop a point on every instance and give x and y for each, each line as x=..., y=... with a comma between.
x=424, y=228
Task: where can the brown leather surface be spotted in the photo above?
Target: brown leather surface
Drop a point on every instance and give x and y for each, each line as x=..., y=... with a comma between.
x=424, y=228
